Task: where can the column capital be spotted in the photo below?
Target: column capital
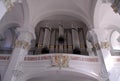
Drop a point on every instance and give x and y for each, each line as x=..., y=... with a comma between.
x=25, y=35
x=24, y=39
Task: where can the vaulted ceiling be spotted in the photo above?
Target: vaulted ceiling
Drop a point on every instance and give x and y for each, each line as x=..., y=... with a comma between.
x=29, y=13
x=79, y=9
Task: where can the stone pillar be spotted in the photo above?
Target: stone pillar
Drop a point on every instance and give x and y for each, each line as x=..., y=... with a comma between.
x=22, y=45
x=101, y=45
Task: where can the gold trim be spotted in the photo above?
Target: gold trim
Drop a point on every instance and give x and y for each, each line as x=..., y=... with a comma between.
x=61, y=61
x=22, y=44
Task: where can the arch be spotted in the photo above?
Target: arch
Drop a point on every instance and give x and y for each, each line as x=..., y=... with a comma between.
x=60, y=12
x=104, y=15
x=114, y=40
x=10, y=34
x=80, y=72
x=26, y=13
x=14, y=16
x=111, y=29
x=114, y=31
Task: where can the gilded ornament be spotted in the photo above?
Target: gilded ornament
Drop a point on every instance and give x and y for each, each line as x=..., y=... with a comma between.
x=61, y=61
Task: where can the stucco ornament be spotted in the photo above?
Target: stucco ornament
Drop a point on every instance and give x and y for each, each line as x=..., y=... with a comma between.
x=22, y=44
x=60, y=61
x=9, y=4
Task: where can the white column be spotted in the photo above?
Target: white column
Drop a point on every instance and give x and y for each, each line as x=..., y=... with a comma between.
x=22, y=45
x=103, y=52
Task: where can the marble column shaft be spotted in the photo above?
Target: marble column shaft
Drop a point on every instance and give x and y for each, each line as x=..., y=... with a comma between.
x=22, y=45
x=101, y=53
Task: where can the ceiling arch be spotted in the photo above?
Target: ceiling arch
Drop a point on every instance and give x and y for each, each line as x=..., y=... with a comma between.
x=71, y=14
x=104, y=16
x=14, y=17
x=61, y=76
x=40, y=9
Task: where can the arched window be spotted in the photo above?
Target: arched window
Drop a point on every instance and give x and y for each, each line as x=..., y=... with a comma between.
x=115, y=43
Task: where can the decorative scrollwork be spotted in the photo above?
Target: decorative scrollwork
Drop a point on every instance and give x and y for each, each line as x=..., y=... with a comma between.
x=22, y=43
x=102, y=45
x=61, y=61
x=97, y=46
x=105, y=45
x=9, y=4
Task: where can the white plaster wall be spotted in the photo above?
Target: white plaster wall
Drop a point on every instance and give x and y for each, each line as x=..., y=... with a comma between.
x=104, y=16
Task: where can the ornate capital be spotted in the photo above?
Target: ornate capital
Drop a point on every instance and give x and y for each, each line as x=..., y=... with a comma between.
x=22, y=44
x=25, y=35
x=24, y=39
x=9, y=4
x=97, y=46
x=103, y=45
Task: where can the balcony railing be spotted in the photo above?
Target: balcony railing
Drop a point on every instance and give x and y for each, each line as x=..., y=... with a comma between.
x=37, y=51
x=71, y=56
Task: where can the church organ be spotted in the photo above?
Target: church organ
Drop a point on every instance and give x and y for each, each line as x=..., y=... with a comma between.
x=48, y=40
